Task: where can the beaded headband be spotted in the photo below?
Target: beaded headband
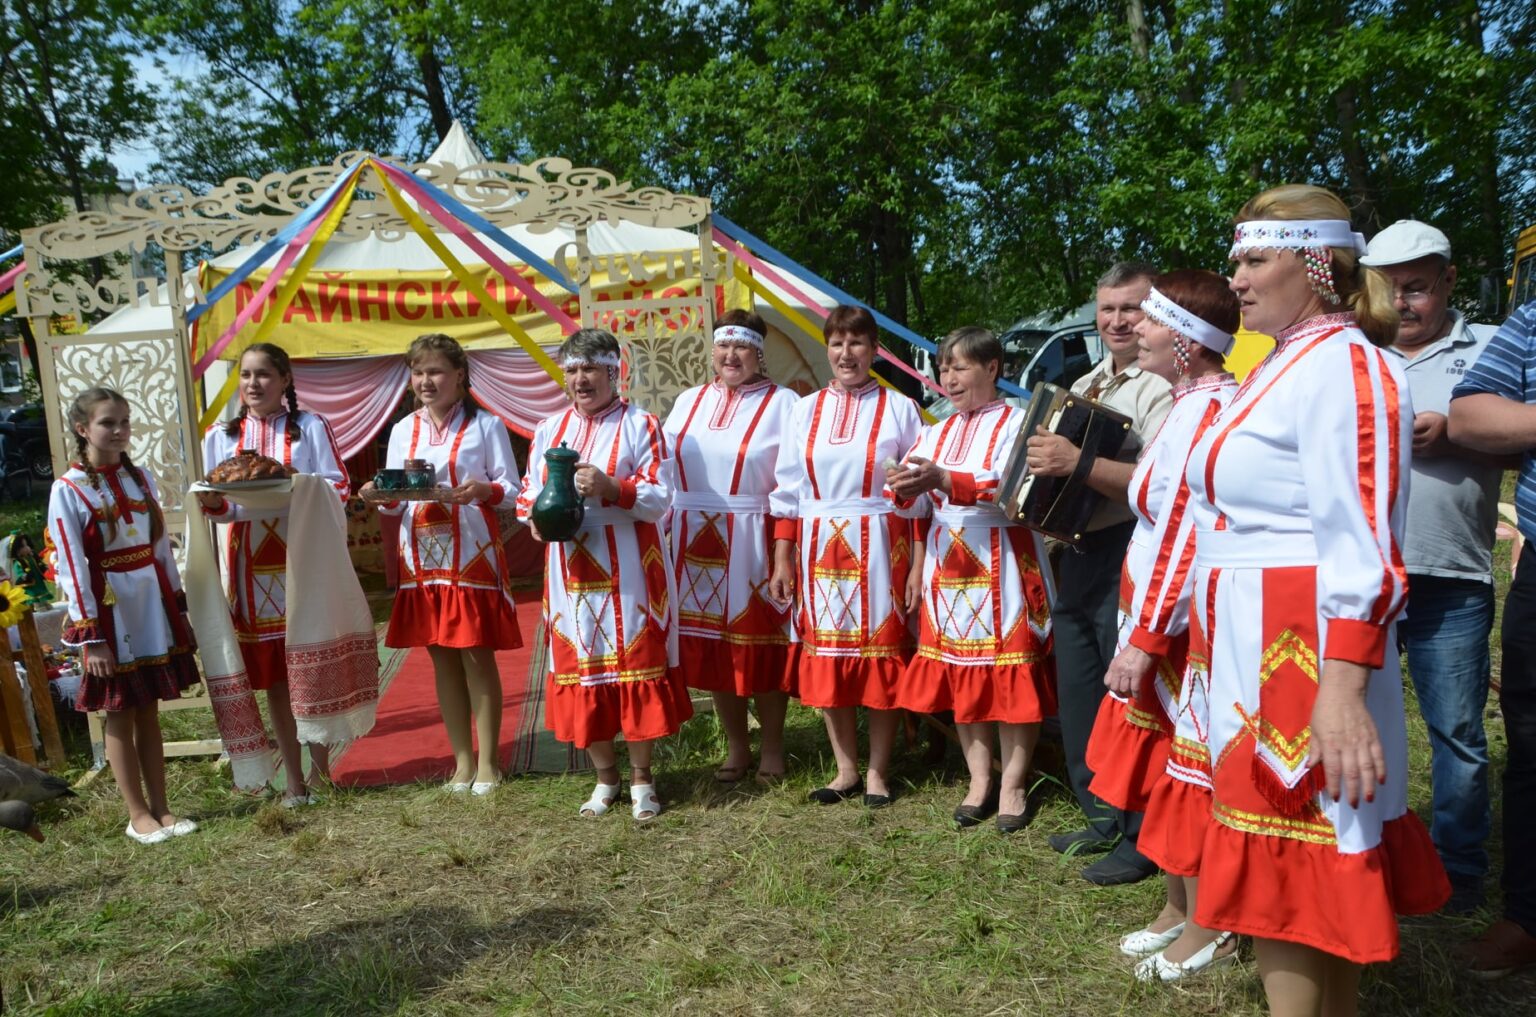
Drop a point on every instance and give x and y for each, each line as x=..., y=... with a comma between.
x=1159, y=308
x=596, y=360
x=738, y=334
x=1295, y=233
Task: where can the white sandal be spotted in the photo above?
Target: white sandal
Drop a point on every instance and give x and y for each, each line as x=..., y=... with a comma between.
x=643, y=799
x=1144, y=941
x=603, y=797
x=1158, y=968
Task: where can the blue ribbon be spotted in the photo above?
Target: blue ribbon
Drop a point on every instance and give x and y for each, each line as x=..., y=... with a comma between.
x=282, y=239
x=484, y=225
x=788, y=264
x=8, y=255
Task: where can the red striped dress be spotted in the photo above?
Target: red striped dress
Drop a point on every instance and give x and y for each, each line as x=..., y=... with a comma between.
x=732, y=636
x=855, y=545
x=984, y=631
x=609, y=594
x=1128, y=749
x=256, y=546
x=1300, y=489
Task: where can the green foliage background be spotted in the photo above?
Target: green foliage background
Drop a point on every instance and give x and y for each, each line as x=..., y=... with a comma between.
x=946, y=160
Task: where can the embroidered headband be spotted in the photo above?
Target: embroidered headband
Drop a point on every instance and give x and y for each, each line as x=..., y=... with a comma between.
x=738, y=334
x=597, y=360
x=1295, y=233
x=1160, y=308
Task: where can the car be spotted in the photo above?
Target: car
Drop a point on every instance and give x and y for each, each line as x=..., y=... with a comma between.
x=24, y=440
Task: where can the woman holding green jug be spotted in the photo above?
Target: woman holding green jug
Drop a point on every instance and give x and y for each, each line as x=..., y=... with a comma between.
x=609, y=590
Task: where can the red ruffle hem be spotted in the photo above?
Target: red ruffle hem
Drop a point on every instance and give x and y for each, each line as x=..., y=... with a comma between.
x=643, y=710
x=978, y=693
x=1127, y=758
x=715, y=665
x=832, y=682
x=139, y=683
x=458, y=617
x=1173, y=832
x=1299, y=887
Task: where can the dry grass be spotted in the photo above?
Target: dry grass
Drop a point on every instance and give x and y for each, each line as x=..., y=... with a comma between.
x=405, y=901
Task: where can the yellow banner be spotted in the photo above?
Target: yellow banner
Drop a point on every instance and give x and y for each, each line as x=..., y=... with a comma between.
x=374, y=313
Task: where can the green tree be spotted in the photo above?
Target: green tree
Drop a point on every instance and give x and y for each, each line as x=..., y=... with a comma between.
x=69, y=97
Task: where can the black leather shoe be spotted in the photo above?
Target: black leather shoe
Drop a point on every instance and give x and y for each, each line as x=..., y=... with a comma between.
x=876, y=801
x=1079, y=842
x=1120, y=867
x=832, y=795
x=967, y=816
x=1012, y=824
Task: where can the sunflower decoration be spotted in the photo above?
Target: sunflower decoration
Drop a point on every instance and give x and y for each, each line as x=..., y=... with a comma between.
x=13, y=604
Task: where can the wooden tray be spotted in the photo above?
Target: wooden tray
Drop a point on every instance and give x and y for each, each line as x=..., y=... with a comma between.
x=416, y=494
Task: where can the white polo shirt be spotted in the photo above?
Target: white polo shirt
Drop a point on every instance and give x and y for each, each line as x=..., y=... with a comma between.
x=1453, y=502
x=1143, y=397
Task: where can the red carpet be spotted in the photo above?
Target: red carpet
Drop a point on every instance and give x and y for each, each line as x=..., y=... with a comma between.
x=408, y=742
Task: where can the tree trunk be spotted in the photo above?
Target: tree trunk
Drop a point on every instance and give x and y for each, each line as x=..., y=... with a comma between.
x=1493, y=253
x=1141, y=35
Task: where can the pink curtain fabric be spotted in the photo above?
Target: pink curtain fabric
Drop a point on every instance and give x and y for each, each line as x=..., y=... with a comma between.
x=512, y=386
x=356, y=395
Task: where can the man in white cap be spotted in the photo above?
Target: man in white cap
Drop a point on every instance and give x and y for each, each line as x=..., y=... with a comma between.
x=1448, y=549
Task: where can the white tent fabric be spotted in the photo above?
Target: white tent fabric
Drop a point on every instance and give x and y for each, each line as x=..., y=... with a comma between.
x=793, y=359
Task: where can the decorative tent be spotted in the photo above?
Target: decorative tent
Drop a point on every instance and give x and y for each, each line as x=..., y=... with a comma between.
x=362, y=302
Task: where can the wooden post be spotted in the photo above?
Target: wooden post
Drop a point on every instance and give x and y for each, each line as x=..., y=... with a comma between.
x=42, y=693
x=17, y=736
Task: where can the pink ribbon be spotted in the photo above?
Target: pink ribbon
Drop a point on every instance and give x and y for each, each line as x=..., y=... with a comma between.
x=248, y=312
x=8, y=280
x=763, y=269
x=413, y=186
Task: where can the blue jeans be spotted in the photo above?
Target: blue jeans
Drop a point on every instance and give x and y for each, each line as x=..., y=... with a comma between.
x=1445, y=630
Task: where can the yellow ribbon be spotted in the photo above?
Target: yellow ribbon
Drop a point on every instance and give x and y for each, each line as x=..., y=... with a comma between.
x=801, y=321
x=469, y=281
x=296, y=277
x=8, y=303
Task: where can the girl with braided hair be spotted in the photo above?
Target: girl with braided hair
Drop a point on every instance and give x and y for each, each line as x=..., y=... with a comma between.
x=256, y=558
x=126, y=606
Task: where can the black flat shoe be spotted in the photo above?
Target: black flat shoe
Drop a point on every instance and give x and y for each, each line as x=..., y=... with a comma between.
x=967, y=816
x=876, y=801
x=832, y=795
x=1012, y=824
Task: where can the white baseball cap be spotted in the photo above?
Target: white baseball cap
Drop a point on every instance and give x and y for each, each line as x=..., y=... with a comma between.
x=1406, y=240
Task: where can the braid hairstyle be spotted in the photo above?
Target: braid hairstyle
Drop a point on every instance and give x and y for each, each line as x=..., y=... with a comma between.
x=79, y=415
x=156, y=517
x=283, y=366
x=449, y=349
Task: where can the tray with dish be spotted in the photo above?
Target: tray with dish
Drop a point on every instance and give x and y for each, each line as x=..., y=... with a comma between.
x=379, y=494
x=249, y=485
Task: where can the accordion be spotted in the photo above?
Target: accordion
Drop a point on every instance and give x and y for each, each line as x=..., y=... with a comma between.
x=1060, y=507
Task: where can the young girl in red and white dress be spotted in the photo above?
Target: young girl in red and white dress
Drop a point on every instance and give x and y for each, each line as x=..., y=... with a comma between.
x=1185, y=335
x=453, y=597
x=609, y=596
x=126, y=607
x=271, y=424
x=984, y=621
x=733, y=637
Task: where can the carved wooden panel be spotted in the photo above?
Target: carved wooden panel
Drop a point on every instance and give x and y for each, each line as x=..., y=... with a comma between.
x=666, y=349
x=145, y=371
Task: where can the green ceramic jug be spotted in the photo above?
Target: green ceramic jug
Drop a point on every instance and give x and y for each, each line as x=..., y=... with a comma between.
x=558, y=510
